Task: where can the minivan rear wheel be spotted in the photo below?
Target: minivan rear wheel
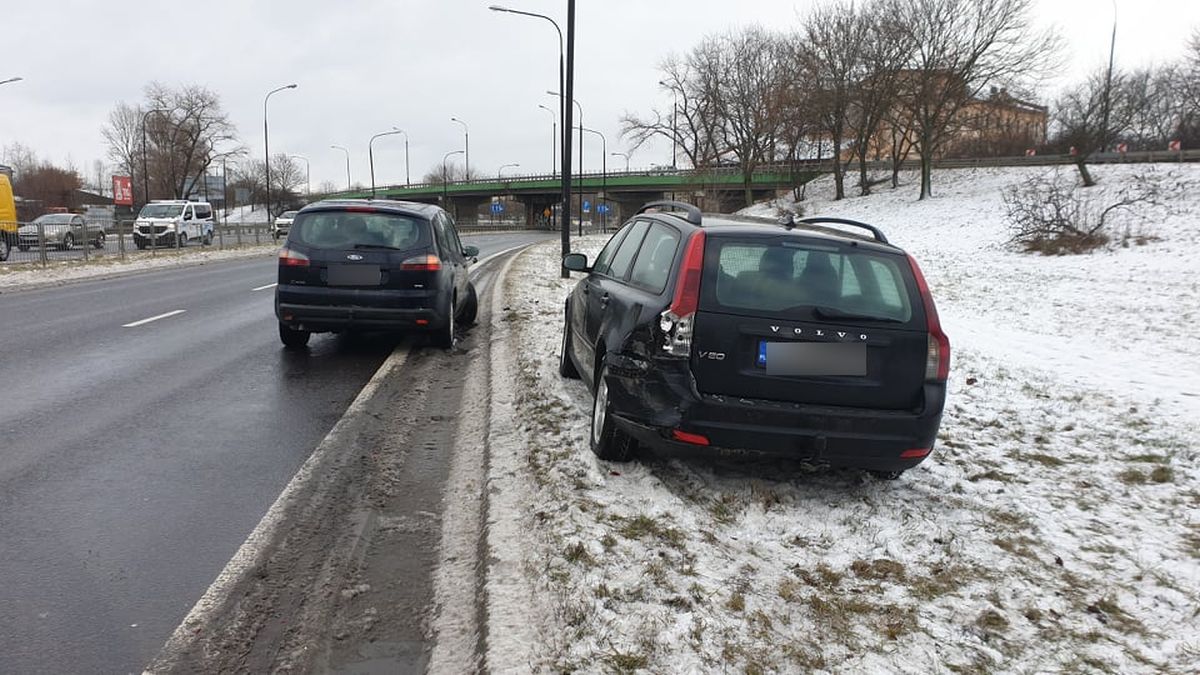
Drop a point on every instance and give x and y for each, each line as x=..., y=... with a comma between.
x=445, y=335
x=566, y=365
x=293, y=338
x=608, y=442
x=471, y=307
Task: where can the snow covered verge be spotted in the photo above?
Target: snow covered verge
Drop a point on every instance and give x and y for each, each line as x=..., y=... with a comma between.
x=29, y=276
x=1056, y=527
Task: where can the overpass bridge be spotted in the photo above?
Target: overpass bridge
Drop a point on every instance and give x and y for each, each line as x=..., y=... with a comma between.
x=721, y=190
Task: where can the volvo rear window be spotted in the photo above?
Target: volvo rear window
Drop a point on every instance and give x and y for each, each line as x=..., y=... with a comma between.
x=355, y=229
x=789, y=279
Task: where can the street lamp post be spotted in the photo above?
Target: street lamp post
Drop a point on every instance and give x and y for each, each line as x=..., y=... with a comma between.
x=562, y=113
x=307, y=174
x=579, y=109
x=145, y=166
x=445, y=177
x=553, y=140
x=1112, y=50
x=466, y=146
x=11, y=79
x=674, y=124
x=603, y=167
x=267, y=142
x=622, y=154
x=371, y=154
x=502, y=168
x=347, y=151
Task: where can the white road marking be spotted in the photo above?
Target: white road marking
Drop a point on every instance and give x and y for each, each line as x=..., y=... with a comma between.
x=263, y=288
x=143, y=322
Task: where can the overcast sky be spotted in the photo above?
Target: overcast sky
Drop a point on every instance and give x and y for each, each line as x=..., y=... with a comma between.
x=365, y=65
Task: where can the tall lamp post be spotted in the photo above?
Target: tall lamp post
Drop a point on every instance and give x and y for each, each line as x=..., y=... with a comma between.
x=267, y=142
x=503, y=167
x=466, y=146
x=567, y=137
x=553, y=140
x=145, y=166
x=445, y=177
x=562, y=112
x=371, y=153
x=1112, y=50
x=622, y=154
x=307, y=174
x=674, y=124
x=347, y=151
x=603, y=167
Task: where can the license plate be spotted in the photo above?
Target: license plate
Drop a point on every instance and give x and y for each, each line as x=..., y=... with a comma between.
x=813, y=358
x=353, y=275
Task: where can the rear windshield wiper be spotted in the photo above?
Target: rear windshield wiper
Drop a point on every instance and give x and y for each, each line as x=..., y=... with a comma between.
x=380, y=246
x=835, y=313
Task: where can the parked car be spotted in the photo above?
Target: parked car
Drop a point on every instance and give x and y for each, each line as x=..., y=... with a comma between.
x=282, y=223
x=161, y=221
x=61, y=231
x=751, y=336
x=357, y=264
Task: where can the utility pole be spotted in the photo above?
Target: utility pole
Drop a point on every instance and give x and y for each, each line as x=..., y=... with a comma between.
x=568, y=92
x=1112, y=50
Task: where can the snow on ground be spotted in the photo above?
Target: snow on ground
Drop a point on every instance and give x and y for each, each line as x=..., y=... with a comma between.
x=33, y=274
x=1055, y=528
x=246, y=215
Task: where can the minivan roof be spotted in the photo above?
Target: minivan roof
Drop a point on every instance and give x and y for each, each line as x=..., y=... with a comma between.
x=388, y=204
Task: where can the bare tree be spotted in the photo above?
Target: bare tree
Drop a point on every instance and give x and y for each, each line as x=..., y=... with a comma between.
x=960, y=47
x=830, y=52
x=875, y=95
x=188, y=133
x=451, y=172
x=690, y=125
x=1079, y=118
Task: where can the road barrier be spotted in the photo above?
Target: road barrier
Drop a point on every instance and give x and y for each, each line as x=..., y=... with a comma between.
x=43, y=244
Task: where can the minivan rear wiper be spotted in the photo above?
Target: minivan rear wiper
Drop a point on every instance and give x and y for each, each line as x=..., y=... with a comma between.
x=382, y=246
x=835, y=313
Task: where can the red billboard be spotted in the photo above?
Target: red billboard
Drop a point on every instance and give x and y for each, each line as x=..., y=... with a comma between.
x=123, y=190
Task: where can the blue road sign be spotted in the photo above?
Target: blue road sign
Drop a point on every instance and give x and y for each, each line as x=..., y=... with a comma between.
x=497, y=207
x=602, y=209
x=587, y=207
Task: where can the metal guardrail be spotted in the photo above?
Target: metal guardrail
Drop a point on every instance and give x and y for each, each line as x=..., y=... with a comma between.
x=38, y=244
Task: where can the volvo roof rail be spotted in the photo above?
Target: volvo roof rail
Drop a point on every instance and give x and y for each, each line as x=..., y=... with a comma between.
x=817, y=220
x=693, y=212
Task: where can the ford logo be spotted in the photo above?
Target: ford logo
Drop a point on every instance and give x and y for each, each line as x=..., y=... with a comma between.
x=354, y=256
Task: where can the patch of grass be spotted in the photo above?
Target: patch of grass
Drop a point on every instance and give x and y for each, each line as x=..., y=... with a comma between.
x=943, y=581
x=821, y=576
x=647, y=527
x=1149, y=458
x=1108, y=611
x=723, y=508
x=1044, y=459
x=608, y=542
x=578, y=553
x=1033, y=614
x=991, y=474
x=1162, y=474
x=1018, y=545
x=789, y=590
x=627, y=662
x=736, y=602
x=991, y=621
x=879, y=569
x=1011, y=519
x=1132, y=476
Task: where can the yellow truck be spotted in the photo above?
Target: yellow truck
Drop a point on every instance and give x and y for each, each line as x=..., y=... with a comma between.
x=8, y=217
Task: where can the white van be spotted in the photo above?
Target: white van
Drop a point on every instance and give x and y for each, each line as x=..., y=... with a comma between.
x=160, y=221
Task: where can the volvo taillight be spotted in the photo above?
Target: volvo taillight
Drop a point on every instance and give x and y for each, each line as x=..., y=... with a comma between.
x=290, y=258
x=937, y=354
x=678, y=322
x=422, y=263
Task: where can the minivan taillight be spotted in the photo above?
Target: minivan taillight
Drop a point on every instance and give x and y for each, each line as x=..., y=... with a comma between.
x=422, y=263
x=290, y=258
x=678, y=322
x=937, y=355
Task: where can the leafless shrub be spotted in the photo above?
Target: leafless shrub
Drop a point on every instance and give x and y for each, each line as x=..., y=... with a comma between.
x=1048, y=217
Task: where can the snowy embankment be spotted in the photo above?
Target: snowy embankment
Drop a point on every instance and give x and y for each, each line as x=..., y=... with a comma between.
x=1056, y=526
x=34, y=275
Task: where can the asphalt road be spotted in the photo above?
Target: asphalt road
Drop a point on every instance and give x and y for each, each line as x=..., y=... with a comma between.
x=138, y=457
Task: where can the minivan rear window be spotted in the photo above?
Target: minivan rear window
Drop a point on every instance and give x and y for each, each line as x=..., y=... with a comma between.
x=352, y=229
x=786, y=278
